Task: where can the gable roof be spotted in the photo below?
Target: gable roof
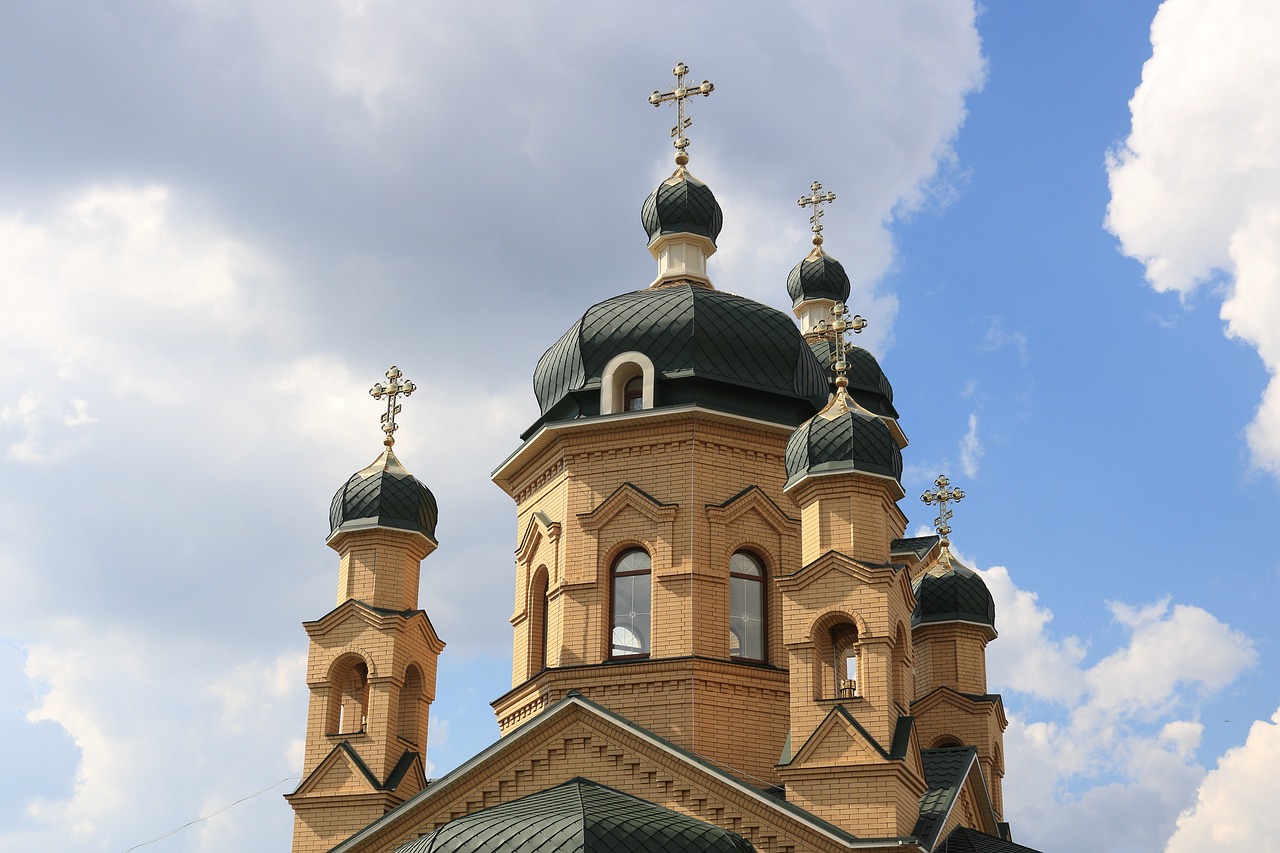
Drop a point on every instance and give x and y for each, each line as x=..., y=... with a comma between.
x=965, y=840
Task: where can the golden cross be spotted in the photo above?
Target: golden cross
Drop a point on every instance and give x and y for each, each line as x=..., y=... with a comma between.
x=680, y=94
x=941, y=496
x=817, y=199
x=840, y=323
x=393, y=389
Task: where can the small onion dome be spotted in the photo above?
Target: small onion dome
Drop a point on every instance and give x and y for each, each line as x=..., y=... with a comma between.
x=384, y=495
x=867, y=382
x=952, y=592
x=578, y=816
x=818, y=276
x=842, y=438
x=682, y=204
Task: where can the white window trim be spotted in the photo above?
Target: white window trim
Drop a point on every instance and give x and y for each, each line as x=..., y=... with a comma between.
x=616, y=376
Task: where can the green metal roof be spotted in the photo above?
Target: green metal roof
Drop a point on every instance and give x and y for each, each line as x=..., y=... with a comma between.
x=682, y=204
x=818, y=276
x=578, y=815
x=384, y=494
x=918, y=545
x=966, y=840
x=952, y=592
x=852, y=441
x=691, y=334
x=867, y=382
x=944, y=773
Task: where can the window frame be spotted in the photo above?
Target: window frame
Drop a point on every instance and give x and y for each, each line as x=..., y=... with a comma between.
x=646, y=642
x=761, y=578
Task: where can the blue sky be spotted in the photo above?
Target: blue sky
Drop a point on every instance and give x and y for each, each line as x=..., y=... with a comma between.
x=220, y=223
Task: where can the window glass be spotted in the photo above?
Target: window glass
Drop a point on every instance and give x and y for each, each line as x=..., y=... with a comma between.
x=631, y=604
x=633, y=395
x=746, y=607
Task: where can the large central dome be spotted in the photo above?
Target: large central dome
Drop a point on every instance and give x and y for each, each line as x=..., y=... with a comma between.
x=707, y=347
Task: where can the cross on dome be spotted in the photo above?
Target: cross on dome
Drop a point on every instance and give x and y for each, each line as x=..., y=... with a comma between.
x=680, y=94
x=942, y=495
x=840, y=323
x=816, y=198
x=392, y=390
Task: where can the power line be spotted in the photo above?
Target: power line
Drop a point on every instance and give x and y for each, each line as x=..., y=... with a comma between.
x=213, y=814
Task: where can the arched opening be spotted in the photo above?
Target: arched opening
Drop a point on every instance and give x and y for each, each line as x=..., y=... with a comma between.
x=409, y=719
x=946, y=742
x=538, y=621
x=903, y=685
x=746, y=607
x=348, y=711
x=627, y=383
x=844, y=660
x=630, y=597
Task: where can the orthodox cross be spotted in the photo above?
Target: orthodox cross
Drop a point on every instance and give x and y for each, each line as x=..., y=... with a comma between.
x=840, y=323
x=816, y=198
x=393, y=389
x=680, y=94
x=941, y=496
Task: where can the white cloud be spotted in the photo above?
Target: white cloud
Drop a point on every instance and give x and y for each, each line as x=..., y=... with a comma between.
x=1195, y=189
x=1096, y=743
x=1235, y=806
x=971, y=449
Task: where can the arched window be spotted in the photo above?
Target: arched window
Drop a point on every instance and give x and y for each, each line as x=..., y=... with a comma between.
x=410, y=705
x=348, y=710
x=844, y=662
x=631, y=598
x=538, y=621
x=946, y=742
x=633, y=394
x=746, y=607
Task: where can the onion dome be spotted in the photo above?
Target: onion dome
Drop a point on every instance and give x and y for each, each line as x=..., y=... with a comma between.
x=842, y=439
x=682, y=204
x=578, y=816
x=952, y=592
x=384, y=494
x=867, y=383
x=708, y=347
x=818, y=276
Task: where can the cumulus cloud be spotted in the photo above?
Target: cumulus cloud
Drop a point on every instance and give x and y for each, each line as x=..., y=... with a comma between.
x=1097, y=742
x=1234, y=806
x=1195, y=188
x=971, y=449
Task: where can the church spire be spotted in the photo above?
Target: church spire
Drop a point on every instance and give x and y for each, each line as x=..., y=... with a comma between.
x=680, y=94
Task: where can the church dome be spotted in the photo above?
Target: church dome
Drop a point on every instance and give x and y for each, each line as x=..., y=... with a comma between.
x=842, y=439
x=707, y=347
x=952, y=592
x=384, y=494
x=818, y=276
x=682, y=204
x=578, y=816
x=867, y=382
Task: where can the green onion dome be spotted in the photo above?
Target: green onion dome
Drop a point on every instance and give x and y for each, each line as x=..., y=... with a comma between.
x=867, y=383
x=952, y=592
x=384, y=494
x=682, y=204
x=842, y=438
x=818, y=276
x=708, y=348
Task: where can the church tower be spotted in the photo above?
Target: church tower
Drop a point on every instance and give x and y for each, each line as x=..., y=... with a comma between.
x=371, y=665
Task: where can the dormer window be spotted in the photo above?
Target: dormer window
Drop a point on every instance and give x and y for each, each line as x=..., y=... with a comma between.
x=626, y=384
x=633, y=394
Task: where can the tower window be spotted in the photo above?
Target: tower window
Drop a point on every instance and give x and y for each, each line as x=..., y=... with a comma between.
x=844, y=663
x=633, y=394
x=746, y=607
x=632, y=593
x=538, y=622
x=410, y=705
x=348, y=710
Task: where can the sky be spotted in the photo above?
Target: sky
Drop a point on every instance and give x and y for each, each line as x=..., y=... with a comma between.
x=221, y=222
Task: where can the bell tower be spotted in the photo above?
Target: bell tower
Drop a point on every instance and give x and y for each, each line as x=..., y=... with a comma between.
x=371, y=663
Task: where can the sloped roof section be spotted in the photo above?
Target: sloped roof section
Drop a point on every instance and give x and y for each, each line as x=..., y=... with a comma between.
x=578, y=815
x=384, y=494
x=965, y=840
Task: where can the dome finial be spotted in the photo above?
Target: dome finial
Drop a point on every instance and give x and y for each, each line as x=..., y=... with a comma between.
x=941, y=496
x=816, y=198
x=840, y=323
x=393, y=389
x=680, y=94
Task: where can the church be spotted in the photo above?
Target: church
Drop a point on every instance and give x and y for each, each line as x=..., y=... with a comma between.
x=722, y=638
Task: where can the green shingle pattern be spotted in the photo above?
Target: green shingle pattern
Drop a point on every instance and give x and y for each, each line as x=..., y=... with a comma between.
x=682, y=204
x=578, y=816
x=853, y=441
x=966, y=840
x=819, y=276
x=685, y=330
x=867, y=382
x=952, y=592
x=384, y=494
x=944, y=773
